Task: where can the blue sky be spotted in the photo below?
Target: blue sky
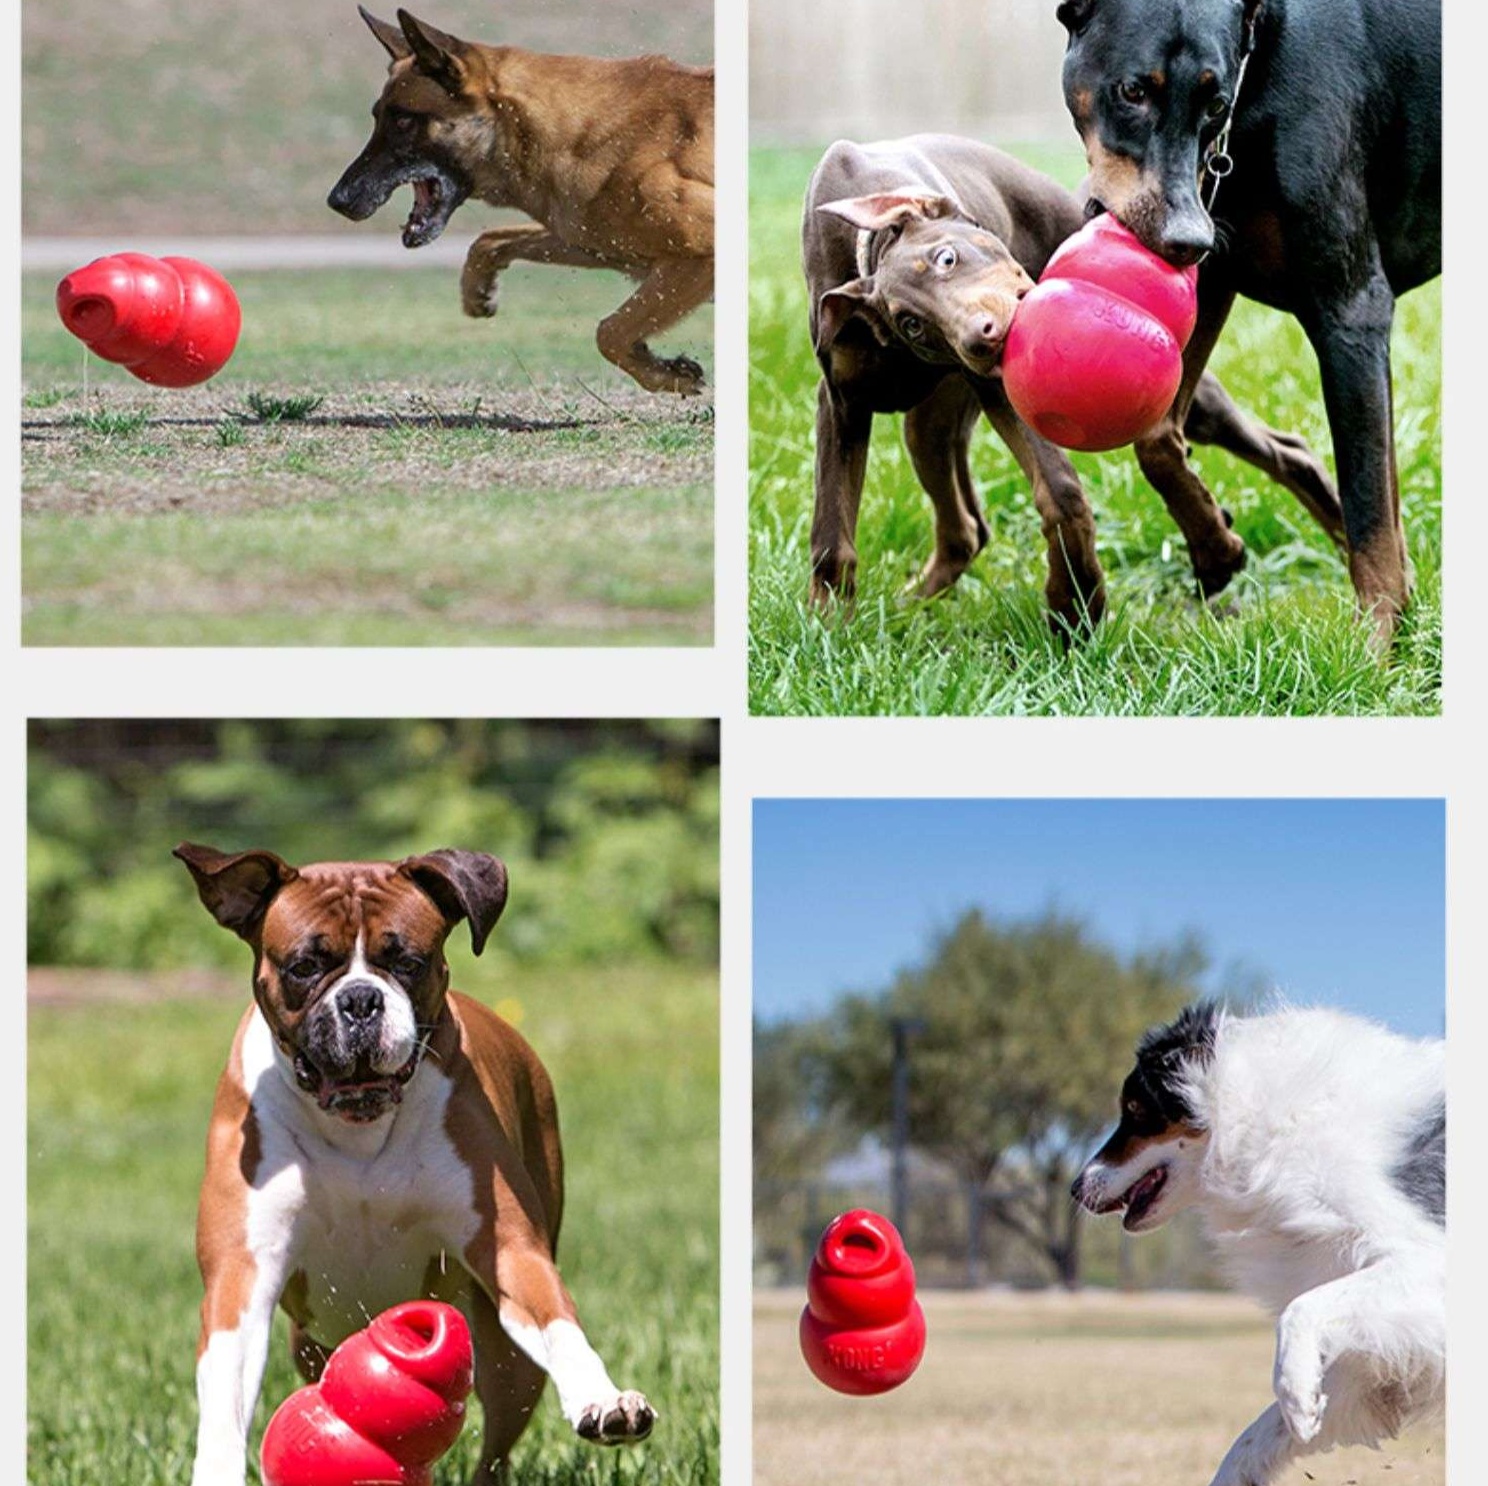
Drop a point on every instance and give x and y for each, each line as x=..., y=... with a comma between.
x=1340, y=902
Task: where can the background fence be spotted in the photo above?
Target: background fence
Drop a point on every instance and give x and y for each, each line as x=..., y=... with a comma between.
x=871, y=69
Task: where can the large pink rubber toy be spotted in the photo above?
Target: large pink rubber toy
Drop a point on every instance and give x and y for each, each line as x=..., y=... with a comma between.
x=170, y=321
x=1094, y=355
x=862, y=1330
x=390, y=1402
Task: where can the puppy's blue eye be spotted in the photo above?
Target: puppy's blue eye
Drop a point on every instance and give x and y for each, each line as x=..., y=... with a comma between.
x=910, y=327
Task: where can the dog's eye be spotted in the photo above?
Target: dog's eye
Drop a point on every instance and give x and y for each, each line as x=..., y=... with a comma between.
x=409, y=967
x=1135, y=1109
x=945, y=257
x=1133, y=90
x=910, y=327
x=301, y=969
x=1217, y=109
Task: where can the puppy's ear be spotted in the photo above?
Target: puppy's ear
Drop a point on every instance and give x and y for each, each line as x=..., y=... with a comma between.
x=438, y=54
x=236, y=887
x=837, y=306
x=394, y=43
x=464, y=884
x=888, y=209
x=1074, y=15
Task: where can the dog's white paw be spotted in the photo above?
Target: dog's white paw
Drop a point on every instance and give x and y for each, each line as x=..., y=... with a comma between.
x=1300, y=1396
x=621, y=1420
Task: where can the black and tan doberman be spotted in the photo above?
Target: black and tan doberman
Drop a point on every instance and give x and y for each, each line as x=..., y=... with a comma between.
x=1327, y=115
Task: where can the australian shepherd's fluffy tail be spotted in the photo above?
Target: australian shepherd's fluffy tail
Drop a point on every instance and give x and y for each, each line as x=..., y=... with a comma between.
x=1313, y=1144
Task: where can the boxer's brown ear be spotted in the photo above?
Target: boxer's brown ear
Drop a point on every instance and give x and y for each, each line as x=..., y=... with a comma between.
x=237, y=887
x=465, y=884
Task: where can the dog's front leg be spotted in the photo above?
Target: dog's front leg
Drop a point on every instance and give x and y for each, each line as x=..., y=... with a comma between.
x=495, y=251
x=538, y=1316
x=1393, y=1310
x=243, y=1287
x=843, y=428
x=1352, y=339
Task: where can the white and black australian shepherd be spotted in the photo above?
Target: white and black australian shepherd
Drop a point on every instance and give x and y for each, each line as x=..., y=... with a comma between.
x=1313, y=1144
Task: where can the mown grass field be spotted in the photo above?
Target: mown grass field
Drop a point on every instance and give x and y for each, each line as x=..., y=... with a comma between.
x=453, y=482
x=119, y=1092
x=1282, y=640
x=1093, y=1390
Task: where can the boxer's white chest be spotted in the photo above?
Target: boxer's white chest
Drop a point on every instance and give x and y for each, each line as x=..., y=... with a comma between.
x=376, y=1204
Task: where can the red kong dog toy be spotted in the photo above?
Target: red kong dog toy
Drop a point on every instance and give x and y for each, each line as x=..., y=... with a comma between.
x=170, y=321
x=1095, y=351
x=390, y=1402
x=862, y=1330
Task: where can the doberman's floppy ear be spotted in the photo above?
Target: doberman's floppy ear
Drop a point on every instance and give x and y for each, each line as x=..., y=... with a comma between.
x=236, y=887
x=837, y=306
x=888, y=209
x=438, y=54
x=1074, y=15
x=394, y=43
x=464, y=884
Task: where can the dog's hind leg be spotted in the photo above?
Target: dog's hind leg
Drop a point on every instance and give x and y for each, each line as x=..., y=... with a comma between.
x=936, y=433
x=508, y=1384
x=1260, y=1454
x=673, y=288
x=499, y=248
x=1287, y=458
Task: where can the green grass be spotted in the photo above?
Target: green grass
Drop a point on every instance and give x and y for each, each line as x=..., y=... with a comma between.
x=1284, y=639
x=118, y=1103
x=371, y=468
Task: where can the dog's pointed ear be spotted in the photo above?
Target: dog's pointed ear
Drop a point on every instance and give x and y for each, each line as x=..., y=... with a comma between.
x=1074, y=15
x=889, y=209
x=463, y=884
x=236, y=887
x=438, y=54
x=837, y=306
x=394, y=43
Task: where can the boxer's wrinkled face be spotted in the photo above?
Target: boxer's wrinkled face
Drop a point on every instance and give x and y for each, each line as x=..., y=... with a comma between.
x=349, y=971
x=351, y=975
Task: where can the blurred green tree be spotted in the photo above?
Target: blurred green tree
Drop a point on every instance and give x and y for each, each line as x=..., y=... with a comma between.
x=1025, y=1032
x=609, y=829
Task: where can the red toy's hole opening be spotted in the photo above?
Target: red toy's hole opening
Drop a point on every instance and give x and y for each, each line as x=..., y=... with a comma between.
x=90, y=316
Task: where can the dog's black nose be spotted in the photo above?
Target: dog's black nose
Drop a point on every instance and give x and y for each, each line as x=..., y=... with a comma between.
x=360, y=1001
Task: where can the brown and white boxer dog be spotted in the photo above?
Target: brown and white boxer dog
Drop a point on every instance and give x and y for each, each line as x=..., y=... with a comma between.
x=377, y=1137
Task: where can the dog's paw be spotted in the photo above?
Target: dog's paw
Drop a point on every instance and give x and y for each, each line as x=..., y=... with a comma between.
x=478, y=297
x=1300, y=1397
x=622, y=1420
x=679, y=374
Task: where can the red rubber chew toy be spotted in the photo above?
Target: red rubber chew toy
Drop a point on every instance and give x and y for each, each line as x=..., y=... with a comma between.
x=1095, y=352
x=862, y=1330
x=172, y=322
x=390, y=1402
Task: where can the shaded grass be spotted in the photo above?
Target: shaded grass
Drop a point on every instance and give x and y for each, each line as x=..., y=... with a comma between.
x=404, y=476
x=1283, y=639
x=1091, y=1390
x=118, y=1101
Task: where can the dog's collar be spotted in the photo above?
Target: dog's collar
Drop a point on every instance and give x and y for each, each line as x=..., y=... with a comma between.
x=1217, y=161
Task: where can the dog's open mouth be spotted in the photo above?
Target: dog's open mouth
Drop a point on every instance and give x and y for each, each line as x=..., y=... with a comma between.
x=1141, y=1197
x=357, y=1100
x=435, y=198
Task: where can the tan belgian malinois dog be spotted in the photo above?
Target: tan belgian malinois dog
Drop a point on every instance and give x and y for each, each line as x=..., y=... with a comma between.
x=613, y=161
